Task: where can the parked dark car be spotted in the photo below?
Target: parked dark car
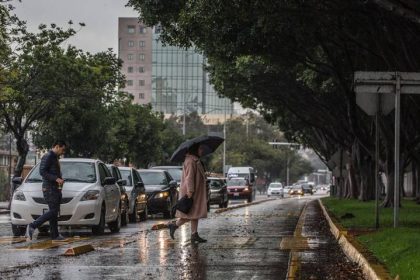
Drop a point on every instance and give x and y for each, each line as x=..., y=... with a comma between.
x=307, y=188
x=218, y=191
x=115, y=172
x=161, y=190
x=137, y=197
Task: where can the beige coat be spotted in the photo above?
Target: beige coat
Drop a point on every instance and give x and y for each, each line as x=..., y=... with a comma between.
x=193, y=179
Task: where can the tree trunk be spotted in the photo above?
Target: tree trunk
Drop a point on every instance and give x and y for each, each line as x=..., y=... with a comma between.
x=353, y=189
x=23, y=149
x=367, y=180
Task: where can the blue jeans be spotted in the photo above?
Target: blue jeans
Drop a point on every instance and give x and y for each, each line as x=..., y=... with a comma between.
x=53, y=198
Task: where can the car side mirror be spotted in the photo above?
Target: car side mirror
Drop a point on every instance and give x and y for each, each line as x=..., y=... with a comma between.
x=17, y=180
x=140, y=185
x=122, y=182
x=173, y=182
x=109, y=181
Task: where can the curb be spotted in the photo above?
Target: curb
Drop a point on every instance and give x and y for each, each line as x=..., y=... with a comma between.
x=355, y=251
x=218, y=211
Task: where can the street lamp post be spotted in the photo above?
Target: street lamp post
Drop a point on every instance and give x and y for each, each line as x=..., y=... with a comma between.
x=287, y=155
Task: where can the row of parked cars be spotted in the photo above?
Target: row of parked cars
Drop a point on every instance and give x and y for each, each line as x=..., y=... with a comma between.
x=95, y=195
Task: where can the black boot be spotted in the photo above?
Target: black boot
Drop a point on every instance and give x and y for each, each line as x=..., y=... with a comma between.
x=172, y=228
x=195, y=238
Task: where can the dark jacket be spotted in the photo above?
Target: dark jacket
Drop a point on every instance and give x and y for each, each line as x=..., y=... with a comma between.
x=50, y=169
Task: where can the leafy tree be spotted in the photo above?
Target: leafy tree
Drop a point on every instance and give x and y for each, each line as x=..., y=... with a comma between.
x=39, y=75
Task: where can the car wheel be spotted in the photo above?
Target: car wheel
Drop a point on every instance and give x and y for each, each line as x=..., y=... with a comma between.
x=18, y=230
x=115, y=226
x=133, y=216
x=208, y=206
x=226, y=204
x=144, y=214
x=100, y=228
x=250, y=199
x=124, y=217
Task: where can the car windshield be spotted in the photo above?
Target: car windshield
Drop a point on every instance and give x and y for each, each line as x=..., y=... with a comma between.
x=275, y=185
x=236, y=183
x=126, y=175
x=297, y=187
x=175, y=173
x=306, y=186
x=215, y=184
x=72, y=172
x=153, y=178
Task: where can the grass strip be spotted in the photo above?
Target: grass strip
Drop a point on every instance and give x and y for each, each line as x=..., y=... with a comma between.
x=398, y=249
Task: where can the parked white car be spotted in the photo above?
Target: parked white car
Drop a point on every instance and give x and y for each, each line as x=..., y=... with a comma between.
x=90, y=194
x=275, y=189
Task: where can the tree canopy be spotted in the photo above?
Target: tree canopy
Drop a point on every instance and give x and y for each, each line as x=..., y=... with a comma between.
x=294, y=62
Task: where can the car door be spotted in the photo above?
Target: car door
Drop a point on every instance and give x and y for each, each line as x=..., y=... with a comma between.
x=169, y=180
x=136, y=189
x=111, y=194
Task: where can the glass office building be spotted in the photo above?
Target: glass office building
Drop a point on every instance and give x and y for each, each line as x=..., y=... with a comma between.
x=180, y=83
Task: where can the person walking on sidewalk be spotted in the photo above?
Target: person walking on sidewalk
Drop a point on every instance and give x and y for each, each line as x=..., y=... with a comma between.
x=52, y=183
x=193, y=184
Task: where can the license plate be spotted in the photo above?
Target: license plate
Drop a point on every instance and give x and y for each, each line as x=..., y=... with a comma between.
x=236, y=194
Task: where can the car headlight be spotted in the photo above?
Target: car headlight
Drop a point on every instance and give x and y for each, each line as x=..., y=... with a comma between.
x=90, y=195
x=162, y=195
x=141, y=197
x=246, y=189
x=19, y=196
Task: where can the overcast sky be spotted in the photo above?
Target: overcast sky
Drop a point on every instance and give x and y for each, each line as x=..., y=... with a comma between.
x=100, y=17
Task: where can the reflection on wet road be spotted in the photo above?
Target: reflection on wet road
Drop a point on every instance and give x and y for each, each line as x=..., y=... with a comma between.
x=253, y=242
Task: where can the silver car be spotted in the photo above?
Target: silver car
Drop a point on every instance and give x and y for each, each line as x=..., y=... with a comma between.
x=90, y=198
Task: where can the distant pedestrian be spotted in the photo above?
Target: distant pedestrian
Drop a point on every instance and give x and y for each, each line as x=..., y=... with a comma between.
x=193, y=184
x=52, y=183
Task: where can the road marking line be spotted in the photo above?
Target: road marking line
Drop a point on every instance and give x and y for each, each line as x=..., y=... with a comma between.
x=12, y=240
x=294, y=266
x=49, y=244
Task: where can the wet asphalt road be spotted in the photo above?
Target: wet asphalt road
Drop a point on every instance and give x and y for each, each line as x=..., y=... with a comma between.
x=278, y=239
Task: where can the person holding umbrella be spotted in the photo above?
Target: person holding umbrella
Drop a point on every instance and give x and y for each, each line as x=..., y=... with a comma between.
x=193, y=182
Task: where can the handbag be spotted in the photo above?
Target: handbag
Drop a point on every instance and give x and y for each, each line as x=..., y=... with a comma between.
x=184, y=204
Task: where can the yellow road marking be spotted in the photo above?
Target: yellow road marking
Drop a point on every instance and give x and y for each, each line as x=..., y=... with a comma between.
x=295, y=243
x=49, y=244
x=12, y=240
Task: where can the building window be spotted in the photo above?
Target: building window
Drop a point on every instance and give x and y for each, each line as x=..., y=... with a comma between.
x=130, y=56
x=131, y=29
x=142, y=44
x=142, y=30
x=141, y=69
x=130, y=69
x=141, y=83
x=141, y=56
x=158, y=29
x=129, y=83
x=141, y=95
x=131, y=43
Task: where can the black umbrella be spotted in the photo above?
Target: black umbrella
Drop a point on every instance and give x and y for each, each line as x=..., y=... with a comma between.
x=210, y=142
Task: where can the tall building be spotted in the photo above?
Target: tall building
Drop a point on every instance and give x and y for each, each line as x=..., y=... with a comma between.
x=174, y=80
x=135, y=49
